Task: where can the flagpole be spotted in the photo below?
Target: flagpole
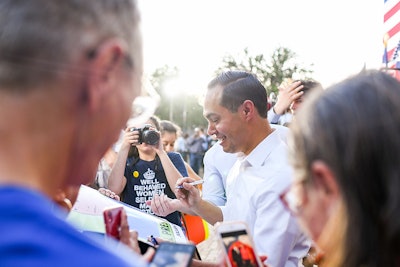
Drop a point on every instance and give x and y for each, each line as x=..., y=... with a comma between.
x=385, y=42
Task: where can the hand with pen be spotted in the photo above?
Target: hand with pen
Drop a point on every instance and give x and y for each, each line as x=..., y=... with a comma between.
x=197, y=182
x=187, y=192
x=162, y=205
x=190, y=198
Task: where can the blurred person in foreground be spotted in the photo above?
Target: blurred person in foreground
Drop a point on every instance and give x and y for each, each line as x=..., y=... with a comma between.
x=69, y=72
x=346, y=155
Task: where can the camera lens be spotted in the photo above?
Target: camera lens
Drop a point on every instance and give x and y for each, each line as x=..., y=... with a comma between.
x=150, y=137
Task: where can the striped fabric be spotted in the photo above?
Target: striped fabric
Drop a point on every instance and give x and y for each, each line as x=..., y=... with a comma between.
x=391, y=39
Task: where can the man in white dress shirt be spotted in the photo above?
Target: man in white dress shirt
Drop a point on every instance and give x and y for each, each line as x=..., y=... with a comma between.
x=235, y=109
x=217, y=165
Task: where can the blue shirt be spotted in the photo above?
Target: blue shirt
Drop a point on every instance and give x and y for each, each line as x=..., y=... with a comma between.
x=34, y=233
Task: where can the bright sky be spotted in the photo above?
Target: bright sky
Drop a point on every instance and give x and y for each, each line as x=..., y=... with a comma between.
x=338, y=37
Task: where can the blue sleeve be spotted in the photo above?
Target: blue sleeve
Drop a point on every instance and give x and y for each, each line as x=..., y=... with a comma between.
x=213, y=187
x=178, y=162
x=272, y=116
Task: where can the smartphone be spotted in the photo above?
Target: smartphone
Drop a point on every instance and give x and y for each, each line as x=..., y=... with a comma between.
x=112, y=221
x=173, y=255
x=237, y=244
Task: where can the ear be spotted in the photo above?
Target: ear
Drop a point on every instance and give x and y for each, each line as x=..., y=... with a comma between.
x=325, y=180
x=104, y=67
x=248, y=109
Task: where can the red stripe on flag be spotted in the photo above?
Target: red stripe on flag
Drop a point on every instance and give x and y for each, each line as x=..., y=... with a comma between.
x=391, y=17
x=391, y=12
x=394, y=30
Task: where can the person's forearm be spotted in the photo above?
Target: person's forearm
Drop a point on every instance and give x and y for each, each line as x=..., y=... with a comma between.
x=171, y=172
x=186, y=210
x=209, y=212
x=116, y=178
x=272, y=116
x=279, y=109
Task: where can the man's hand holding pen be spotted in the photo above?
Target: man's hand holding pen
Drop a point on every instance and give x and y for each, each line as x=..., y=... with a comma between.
x=188, y=194
x=196, y=182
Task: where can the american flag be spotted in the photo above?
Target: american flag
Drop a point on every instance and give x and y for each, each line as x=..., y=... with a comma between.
x=391, y=39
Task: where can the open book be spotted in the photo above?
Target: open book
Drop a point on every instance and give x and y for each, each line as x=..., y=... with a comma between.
x=87, y=215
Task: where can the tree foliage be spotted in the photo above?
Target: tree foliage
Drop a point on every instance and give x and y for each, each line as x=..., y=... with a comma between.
x=271, y=72
x=185, y=109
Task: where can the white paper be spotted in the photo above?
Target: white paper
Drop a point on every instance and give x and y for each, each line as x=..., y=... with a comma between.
x=87, y=215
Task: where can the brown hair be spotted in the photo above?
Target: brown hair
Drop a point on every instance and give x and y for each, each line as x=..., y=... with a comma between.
x=354, y=127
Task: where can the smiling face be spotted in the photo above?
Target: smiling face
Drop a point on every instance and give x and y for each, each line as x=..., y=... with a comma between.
x=225, y=125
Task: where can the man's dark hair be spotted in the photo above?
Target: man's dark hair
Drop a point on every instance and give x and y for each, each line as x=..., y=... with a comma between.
x=239, y=86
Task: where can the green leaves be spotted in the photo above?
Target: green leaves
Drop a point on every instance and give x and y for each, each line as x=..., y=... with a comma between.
x=281, y=65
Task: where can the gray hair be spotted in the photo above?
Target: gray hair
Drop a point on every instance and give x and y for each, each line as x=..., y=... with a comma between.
x=39, y=39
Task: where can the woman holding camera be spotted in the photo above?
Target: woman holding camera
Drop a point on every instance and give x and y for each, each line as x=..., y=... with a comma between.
x=143, y=169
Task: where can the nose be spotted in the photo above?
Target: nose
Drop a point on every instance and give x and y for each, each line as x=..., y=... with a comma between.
x=211, y=129
x=169, y=148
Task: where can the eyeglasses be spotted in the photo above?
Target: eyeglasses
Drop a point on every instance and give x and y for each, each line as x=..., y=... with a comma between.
x=293, y=197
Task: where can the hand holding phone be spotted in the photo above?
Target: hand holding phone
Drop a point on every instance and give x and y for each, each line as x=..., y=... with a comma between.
x=237, y=244
x=173, y=255
x=112, y=221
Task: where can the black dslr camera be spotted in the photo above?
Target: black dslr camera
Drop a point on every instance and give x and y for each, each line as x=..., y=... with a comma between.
x=146, y=135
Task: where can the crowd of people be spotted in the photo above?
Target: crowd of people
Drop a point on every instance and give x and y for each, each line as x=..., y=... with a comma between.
x=327, y=181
